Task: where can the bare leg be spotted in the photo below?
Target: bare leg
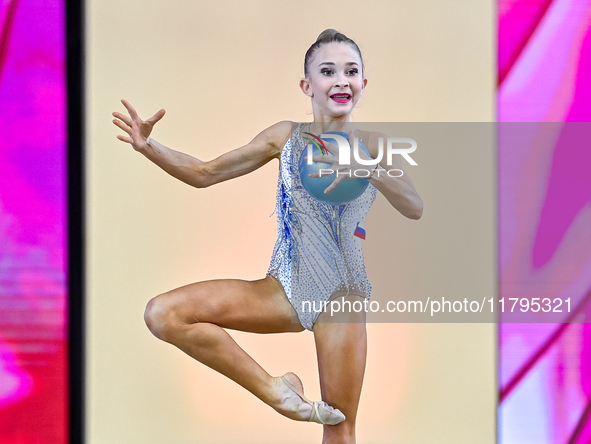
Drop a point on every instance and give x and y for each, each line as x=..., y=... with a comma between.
x=193, y=319
x=342, y=351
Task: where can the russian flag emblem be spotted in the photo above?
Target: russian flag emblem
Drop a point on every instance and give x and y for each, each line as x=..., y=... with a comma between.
x=359, y=232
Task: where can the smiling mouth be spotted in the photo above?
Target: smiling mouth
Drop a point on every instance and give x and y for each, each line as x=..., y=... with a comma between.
x=341, y=98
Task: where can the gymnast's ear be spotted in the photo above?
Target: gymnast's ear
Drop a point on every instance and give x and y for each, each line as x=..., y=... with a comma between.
x=306, y=87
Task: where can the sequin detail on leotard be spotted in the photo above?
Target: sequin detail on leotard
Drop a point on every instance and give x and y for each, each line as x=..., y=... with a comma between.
x=316, y=253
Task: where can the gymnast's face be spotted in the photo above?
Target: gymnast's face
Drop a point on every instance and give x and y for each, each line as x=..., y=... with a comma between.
x=335, y=81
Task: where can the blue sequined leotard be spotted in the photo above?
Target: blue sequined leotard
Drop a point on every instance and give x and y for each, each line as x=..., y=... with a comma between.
x=316, y=253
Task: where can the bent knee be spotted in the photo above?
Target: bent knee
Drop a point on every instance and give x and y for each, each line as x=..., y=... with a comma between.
x=159, y=317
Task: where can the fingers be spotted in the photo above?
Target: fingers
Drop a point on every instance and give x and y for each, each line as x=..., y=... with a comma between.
x=323, y=159
x=331, y=148
x=125, y=139
x=135, y=117
x=334, y=184
x=130, y=109
x=123, y=126
x=156, y=117
x=317, y=174
x=122, y=117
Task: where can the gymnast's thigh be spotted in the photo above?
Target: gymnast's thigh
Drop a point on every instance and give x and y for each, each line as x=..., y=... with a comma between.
x=258, y=306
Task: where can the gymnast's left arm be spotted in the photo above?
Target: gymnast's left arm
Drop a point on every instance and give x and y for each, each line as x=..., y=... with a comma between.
x=400, y=191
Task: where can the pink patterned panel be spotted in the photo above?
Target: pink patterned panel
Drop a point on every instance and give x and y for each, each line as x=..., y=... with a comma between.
x=33, y=299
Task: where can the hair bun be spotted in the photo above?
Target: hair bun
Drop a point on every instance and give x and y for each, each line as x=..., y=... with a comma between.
x=328, y=34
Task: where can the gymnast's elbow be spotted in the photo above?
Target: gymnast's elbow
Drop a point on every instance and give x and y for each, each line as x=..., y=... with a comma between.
x=416, y=211
x=202, y=176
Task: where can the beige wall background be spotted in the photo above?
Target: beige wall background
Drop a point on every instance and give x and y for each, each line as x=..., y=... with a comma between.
x=224, y=71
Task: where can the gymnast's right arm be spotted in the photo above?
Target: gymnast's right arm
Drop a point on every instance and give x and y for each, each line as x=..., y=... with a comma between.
x=265, y=146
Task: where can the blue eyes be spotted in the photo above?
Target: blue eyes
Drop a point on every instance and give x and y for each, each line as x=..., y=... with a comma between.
x=328, y=72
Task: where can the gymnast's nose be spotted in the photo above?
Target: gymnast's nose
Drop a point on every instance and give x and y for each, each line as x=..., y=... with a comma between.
x=341, y=80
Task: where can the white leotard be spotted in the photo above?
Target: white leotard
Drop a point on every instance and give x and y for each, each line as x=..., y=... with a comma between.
x=316, y=253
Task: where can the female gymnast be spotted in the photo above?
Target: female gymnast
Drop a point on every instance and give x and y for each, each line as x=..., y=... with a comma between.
x=317, y=256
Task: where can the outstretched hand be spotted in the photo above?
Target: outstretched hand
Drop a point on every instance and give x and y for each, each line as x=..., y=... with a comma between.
x=137, y=129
